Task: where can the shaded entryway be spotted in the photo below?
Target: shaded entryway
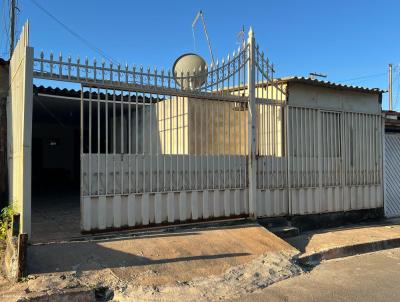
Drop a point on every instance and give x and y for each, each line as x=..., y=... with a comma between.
x=55, y=166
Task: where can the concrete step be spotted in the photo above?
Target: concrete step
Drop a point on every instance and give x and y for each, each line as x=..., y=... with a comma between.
x=284, y=231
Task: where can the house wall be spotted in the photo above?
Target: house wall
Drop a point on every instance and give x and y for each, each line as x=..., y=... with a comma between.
x=314, y=173
x=341, y=151
x=145, y=134
x=172, y=116
x=198, y=126
x=19, y=129
x=215, y=127
x=333, y=99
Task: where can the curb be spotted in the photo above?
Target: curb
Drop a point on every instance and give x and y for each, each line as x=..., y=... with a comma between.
x=349, y=250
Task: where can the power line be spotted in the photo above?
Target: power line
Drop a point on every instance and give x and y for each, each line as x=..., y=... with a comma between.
x=364, y=77
x=76, y=35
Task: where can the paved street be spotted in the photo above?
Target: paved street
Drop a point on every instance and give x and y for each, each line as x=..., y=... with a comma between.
x=366, y=278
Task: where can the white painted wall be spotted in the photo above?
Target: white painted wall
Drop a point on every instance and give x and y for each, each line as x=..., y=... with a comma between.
x=19, y=111
x=301, y=94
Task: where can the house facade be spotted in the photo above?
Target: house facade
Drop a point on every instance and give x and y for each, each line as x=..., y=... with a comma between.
x=140, y=150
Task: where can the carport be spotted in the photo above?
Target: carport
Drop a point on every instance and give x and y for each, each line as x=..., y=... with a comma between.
x=55, y=164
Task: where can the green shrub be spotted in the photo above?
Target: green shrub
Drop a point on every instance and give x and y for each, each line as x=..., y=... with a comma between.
x=5, y=220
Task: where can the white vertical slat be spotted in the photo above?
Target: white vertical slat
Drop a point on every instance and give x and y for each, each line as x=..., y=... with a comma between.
x=227, y=202
x=195, y=205
x=86, y=216
x=171, y=207
x=131, y=210
x=145, y=208
x=206, y=204
x=158, y=208
x=117, y=211
x=102, y=212
x=217, y=203
x=182, y=205
x=236, y=198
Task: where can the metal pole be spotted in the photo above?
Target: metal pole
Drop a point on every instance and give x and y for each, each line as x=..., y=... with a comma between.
x=390, y=88
x=251, y=125
x=12, y=26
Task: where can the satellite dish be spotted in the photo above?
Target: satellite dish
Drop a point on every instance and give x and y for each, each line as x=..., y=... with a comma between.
x=190, y=63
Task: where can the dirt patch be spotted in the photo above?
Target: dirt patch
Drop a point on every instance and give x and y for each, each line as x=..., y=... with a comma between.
x=158, y=258
x=196, y=264
x=235, y=282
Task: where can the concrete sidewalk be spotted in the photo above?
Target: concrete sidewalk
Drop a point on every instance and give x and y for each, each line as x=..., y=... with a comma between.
x=364, y=278
x=348, y=240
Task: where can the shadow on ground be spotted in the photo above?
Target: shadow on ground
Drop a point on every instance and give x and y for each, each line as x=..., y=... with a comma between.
x=208, y=247
x=88, y=256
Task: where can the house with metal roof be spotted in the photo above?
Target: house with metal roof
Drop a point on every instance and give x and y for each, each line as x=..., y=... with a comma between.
x=139, y=148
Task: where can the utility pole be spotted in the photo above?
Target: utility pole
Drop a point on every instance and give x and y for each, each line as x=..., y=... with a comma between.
x=390, y=88
x=12, y=26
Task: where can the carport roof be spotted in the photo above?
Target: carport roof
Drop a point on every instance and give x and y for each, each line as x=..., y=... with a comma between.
x=329, y=84
x=4, y=62
x=72, y=93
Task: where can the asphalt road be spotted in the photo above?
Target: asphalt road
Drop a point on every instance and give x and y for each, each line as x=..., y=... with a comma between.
x=371, y=277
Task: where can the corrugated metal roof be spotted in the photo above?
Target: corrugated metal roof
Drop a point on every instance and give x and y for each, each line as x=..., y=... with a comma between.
x=57, y=91
x=4, y=62
x=317, y=82
x=72, y=93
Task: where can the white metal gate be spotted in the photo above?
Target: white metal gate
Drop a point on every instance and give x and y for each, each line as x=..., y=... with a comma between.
x=392, y=174
x=156, y=148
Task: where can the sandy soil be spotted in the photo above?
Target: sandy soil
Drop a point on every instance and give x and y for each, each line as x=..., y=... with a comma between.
x=190, y=265
x=236, y=281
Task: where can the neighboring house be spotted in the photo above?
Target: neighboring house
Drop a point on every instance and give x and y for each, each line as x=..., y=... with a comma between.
x=392, y=163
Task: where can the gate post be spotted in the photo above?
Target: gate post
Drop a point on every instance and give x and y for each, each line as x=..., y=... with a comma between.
x=251, y=126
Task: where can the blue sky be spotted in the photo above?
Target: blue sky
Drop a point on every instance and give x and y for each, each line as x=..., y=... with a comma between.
x=343, y=39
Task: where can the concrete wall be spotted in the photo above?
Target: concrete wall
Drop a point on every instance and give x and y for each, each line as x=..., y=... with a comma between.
x=20, y=129
x=198, y=126
x=173, y=125
x=215, y=127
x=145, y=136
x=333, y=99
